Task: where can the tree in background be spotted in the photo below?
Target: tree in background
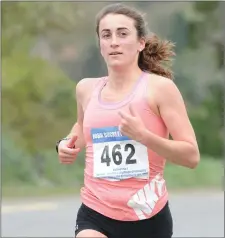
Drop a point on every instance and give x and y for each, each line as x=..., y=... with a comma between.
x=48, y=46
x=200, y=70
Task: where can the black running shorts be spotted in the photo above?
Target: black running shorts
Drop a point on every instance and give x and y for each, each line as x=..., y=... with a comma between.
x=158, y=226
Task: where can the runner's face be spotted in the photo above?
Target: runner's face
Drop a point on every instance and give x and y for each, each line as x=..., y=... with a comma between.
x=118, y=40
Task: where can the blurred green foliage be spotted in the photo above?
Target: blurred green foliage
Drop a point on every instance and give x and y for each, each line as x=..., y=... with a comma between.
x=48, y=46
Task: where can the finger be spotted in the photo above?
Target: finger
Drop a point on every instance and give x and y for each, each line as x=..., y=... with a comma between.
x=123, y=132
x=67, y=157
x=132, y=110
x=66, y=161
x=71, y=141
x=69, y=151
x=122, y=128
x=123, y=122
x=123, y=115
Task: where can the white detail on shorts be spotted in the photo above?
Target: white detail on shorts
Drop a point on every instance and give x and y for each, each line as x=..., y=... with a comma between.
x=146, y=198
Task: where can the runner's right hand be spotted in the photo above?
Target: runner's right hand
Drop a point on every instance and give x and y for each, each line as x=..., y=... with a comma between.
x=67, y=150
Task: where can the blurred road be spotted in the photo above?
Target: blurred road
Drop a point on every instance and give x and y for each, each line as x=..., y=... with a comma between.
x=195, y=215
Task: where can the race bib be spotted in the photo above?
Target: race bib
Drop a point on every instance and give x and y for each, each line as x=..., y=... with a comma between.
x=117, y=157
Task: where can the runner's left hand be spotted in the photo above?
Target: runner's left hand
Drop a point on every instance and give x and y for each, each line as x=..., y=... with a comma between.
x=131, y=124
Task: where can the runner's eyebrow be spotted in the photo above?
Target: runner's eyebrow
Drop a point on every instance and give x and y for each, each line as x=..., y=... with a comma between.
x=118, y=29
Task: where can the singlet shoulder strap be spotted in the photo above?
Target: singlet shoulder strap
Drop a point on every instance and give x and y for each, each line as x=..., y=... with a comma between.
x=98, y=85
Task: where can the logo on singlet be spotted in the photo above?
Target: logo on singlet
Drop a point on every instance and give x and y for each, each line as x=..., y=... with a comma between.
x=144, y=201
x=117, y=157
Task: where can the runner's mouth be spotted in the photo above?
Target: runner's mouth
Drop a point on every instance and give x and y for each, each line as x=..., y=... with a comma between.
x=115, y=53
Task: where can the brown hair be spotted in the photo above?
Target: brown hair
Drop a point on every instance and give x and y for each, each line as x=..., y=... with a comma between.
x=156, y=51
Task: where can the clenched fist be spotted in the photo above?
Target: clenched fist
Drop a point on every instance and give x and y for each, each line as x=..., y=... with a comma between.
x=67, y=150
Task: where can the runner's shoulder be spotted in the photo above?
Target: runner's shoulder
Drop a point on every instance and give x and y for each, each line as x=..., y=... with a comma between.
x=86, y=85
x=161, y=86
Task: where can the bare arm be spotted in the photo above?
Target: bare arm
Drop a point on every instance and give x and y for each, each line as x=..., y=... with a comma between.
x=183, y=149
x=77, y=128
x=69, y=149
x=83, y=91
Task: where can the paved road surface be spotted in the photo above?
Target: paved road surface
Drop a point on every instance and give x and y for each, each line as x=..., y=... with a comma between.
x=194, y=214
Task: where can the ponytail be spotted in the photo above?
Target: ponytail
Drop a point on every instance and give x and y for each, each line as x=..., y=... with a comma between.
x=155, y=53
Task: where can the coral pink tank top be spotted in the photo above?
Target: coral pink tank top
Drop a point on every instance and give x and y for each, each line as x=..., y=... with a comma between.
x=123, y=179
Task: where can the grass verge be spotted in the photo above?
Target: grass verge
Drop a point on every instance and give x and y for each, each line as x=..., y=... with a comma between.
x=209, y=174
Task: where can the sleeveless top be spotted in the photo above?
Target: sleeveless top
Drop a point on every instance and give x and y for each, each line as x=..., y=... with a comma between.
x=123, y=179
